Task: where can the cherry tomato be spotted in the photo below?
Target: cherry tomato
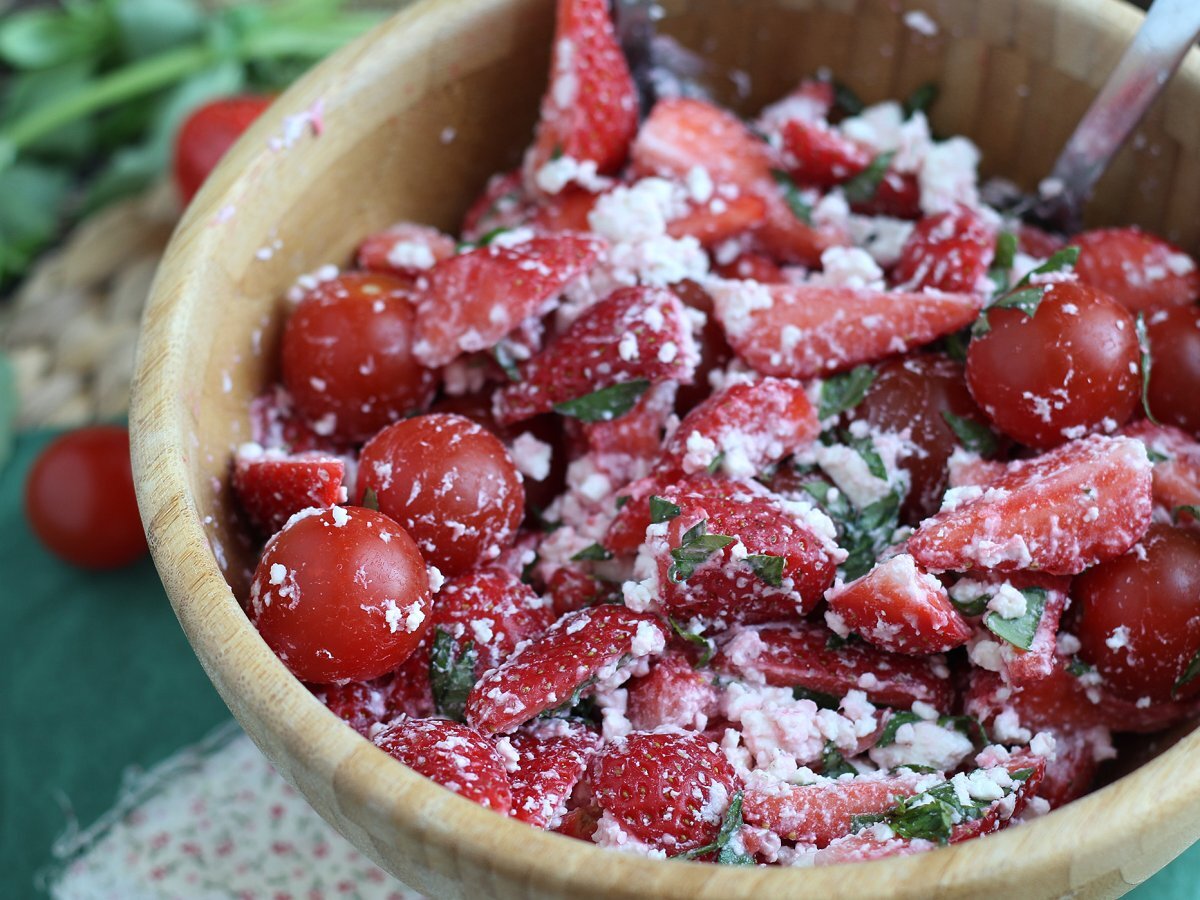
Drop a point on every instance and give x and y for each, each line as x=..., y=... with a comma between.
x=207, y=134
x=341, y=594
x=1069, y=369
x=450, y=483
x=80, y=502
x=1174, y=395
x=1139, y=616
x=909, y=397
x=347, y=356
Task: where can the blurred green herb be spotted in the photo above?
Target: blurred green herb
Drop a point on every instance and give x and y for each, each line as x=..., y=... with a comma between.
x=94, y=91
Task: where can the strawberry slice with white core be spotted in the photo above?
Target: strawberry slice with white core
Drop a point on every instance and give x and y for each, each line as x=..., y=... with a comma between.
x=636, y=334
x=272, y=486
x=470, y=301
x=1061, y=512
x=897, y=607
x=743, y=429
x=582, y=649
x=809, y=656
x=802, y=330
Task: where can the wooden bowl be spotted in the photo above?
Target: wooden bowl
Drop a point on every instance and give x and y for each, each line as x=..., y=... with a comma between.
x=407, y=124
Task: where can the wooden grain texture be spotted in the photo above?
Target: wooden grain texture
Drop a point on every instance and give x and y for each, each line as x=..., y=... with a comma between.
x=1015, y=75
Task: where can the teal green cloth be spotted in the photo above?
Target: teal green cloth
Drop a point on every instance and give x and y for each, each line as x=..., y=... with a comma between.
x=95, y=676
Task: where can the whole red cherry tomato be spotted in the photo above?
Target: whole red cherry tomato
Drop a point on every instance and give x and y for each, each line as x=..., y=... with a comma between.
x=80, y=502
x=207, y=133
x=1174, y=394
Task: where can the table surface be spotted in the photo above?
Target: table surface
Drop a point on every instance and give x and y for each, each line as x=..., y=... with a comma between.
x=97, y=678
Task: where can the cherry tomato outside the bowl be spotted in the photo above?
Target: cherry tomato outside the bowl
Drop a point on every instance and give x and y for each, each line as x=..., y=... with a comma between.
x=80, y=502
x=207, y=134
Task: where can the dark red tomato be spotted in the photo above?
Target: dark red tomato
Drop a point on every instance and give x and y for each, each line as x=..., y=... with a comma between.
x=1138, y=270
x=1174, y=394
x=341, y=594
x=1139, y=616
x=912, y=394
x=539, y=492
x=450, y=483
x=1069, y=369
x=710, y=340
x=80, y=502
x=347, y=356
x=207, y=133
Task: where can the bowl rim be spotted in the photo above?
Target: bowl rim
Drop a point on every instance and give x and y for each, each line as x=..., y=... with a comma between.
x=386, y=798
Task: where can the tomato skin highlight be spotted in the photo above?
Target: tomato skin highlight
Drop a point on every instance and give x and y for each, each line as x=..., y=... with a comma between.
x=205, y=136
x=340, y=595
x=1078, y=367
x=347, y=356
x=1139, y=616
x=450, y=483
x=80, y=502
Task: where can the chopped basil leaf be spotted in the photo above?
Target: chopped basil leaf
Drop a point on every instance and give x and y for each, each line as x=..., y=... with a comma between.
x=800, y=207
x=863, y=186
x=844, y=391
x=974, y=606
x=715, y=465
x=972, y=435
x=451, y=674
x=920, y=99
x=696, y=546
x=893, y=725
x=1144, y=358
x=506, y=361
x=662, y=510
x=722, y=846
x=1027, y=296
x=837, y=642
x=968, y=725
x=929, y=815
x=573, y=703
x=1022, y=774
x=955, y=345
x=1020, y=631
x=846, y=100
x=1154, y=456
x=605, y=404
x=1190, y=509
x=593, y=553
x=1061, y=259
x=865, y=447
x=822, y=699
x=1002, y=262
x=370, y=499
x=699, y=640
x=833, y=763
x=1078, y=667
x=767, y=567
x=622, y=500
x=1189, y=674
x=865, y=820
x=868, y=532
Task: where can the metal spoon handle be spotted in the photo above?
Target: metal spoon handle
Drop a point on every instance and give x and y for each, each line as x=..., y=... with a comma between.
x=1170, y=28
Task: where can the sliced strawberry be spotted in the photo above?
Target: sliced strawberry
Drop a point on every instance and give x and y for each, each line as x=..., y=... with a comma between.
x=565, y=211
x=548, y=671
x=360, y=704
x=776, y=560
x=572, y=588
x=628, y=528
x=810, y=656
x=272, y=487
x=672, y=694
x=870, y=843
x=810, y=101
x=1176, y=473
x=551, y=759
x=503, y=204
x=719, y=219
x=802, y=330
x=1071, y=771
x=491, y=609
x=1138, y=270
x=821, y=813
x=474, y=299
x=277, y=425
x=405, y=249
x=1024, y=666
x=1070, y=508
x=715, y=352
x=820, y=156
x=667, y=790
x=453, y=755
x=743, y=429
x=636, y=333
x=897, y=195
x=625, y=448
x=752, y=266
x=1026, y=773
x=578, y=823
x=970, y=470
x=1035, y=242
x=947, y=252
x=590, y=110
x=899, y=608
x=681, y=134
